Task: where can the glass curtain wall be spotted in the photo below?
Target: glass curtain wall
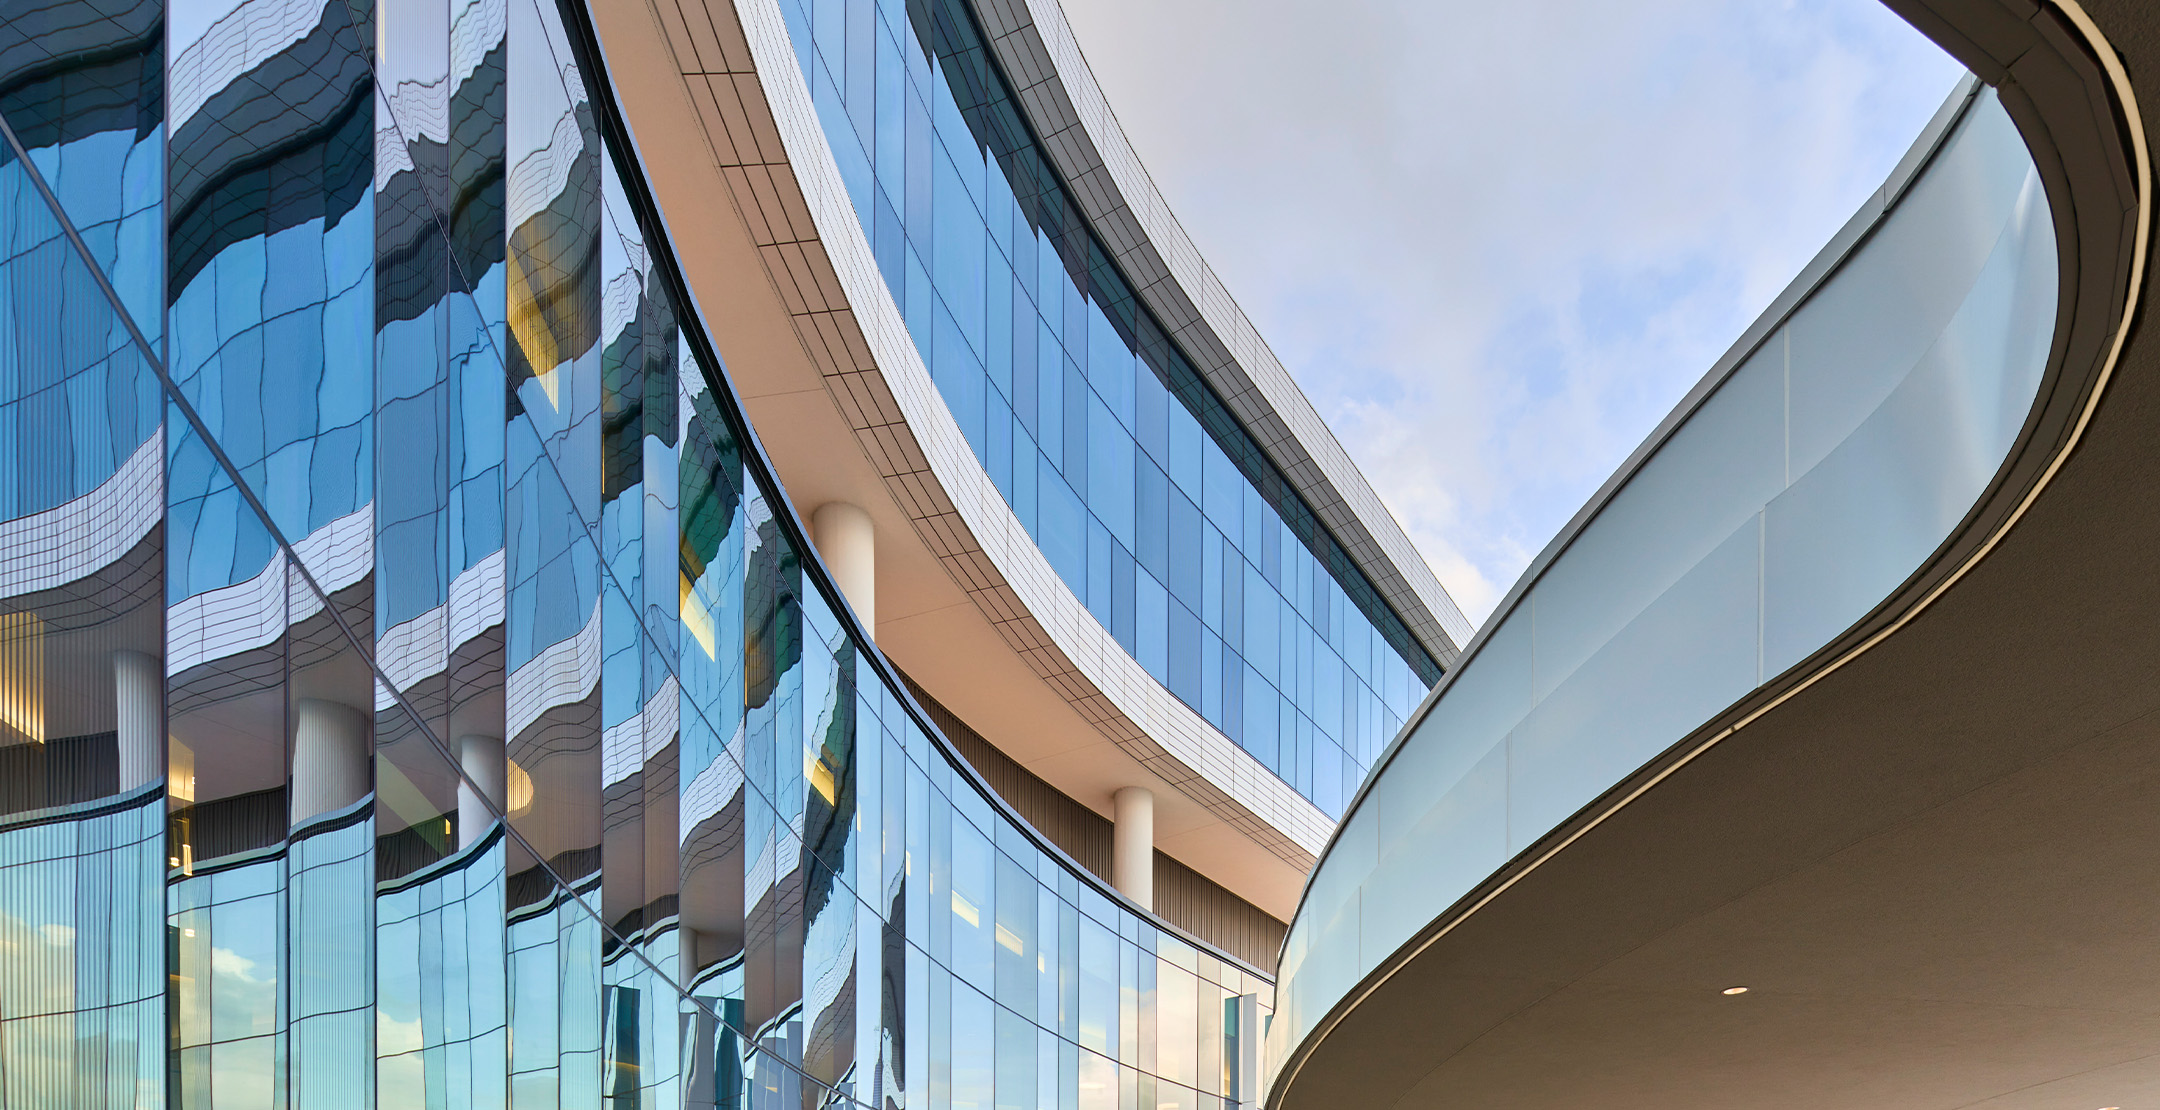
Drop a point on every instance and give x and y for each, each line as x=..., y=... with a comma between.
x=413, y=691
x=1150, y=499
x=82, y=546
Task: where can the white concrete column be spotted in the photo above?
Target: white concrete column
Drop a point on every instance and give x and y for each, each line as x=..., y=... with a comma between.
x=1132, y=845
x=486, y=766
x=330, y=757
x=847, y=542
x=139, y=697
x=687, y=966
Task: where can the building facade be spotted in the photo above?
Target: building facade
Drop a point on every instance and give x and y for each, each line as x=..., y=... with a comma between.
x=438, y=668
x=1207, y=599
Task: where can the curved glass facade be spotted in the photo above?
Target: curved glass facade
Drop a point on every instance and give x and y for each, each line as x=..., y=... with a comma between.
x=1151, y=501
x=1816, y=477
x=413, y=691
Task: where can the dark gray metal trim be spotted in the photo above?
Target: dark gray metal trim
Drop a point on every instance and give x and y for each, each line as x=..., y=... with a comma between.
x=1043, y=98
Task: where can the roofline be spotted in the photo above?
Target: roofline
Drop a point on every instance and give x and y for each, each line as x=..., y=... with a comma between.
x=1057, y=93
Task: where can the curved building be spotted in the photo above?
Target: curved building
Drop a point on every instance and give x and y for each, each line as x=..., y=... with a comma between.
x=1088, y=478
x=1809, y=766
x=687, y=554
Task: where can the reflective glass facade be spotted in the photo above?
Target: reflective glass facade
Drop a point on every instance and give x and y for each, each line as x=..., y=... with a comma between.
x=413, y=689
x=1151, y=501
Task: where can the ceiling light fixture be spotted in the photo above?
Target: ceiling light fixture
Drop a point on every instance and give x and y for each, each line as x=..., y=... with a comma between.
x=1735, y=990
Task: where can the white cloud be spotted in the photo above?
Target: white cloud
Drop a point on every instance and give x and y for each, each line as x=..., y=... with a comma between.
x=1496, y=243
x=226, y=963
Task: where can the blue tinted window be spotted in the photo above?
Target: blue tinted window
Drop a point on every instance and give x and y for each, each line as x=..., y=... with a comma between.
x=1151, y=519
x=1063, y=523
x=1110, y=473
x=976, y=197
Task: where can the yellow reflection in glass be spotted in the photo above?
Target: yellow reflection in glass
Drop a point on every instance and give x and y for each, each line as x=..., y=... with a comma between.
x=181, y=771
x=22, y=676
x=697, y=619
x=519, y=793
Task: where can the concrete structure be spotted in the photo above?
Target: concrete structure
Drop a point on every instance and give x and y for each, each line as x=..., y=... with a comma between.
x=847, y=541
x=1821, y=783
x=1132, y=854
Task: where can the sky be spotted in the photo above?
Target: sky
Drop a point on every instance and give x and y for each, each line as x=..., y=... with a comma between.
x=1496, y=243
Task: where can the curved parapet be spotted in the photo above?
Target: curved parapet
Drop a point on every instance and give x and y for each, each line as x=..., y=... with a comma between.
x=1843, y=470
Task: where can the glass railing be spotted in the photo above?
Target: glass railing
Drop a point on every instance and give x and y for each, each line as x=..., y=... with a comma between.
x=1812, y=473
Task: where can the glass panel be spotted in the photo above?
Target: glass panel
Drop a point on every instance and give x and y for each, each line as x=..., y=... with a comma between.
x=442, y=996
x=81, y=705
x=1460, y=838
x=438, y=644
x=1177, y=1023
x=1690, y=654
x=1715, y=472
x=1859, y=336
x=1488, y=698
x=1011, y=300
x=1848, y=531
x=1895, y=389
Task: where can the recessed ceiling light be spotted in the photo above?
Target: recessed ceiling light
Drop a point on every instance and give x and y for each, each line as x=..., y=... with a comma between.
x=1743, y=990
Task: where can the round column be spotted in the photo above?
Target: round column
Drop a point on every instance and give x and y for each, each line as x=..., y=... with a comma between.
x=486, y=776
x=1132, y=845
x=847, y=542
x=139, y=698
x=688, y=965
x=330, y=757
